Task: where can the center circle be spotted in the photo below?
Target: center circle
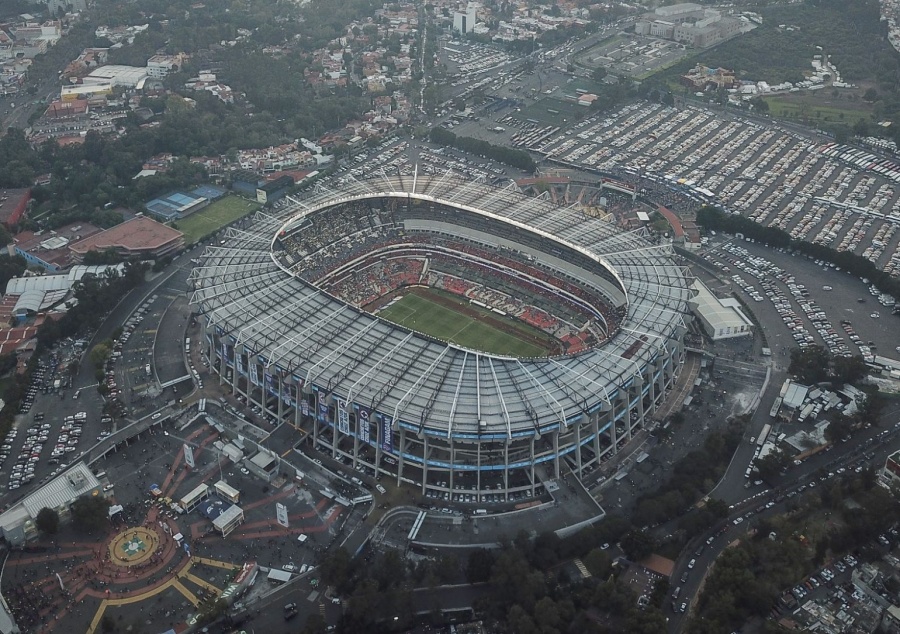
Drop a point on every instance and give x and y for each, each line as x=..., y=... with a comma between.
x=460, y=275
x=133, y=546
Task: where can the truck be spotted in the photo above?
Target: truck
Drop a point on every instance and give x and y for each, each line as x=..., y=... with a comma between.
x=763, y=435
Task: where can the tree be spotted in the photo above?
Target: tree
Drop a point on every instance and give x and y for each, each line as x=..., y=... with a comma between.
x=47, y=521
x=773, y=464
x=637, y=545
x=599, y=74
x=90, y=513
x=809, y=365
x=759, y=104
x=479, y=564
x=598, y=563
x=848, y=369
x=336, y=568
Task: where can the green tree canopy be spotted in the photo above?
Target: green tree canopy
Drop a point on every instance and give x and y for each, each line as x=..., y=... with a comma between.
x=47, y=521
x=90, y=513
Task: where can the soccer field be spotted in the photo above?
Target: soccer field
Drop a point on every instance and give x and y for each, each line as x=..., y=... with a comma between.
x=419, y=313
x=217, y=215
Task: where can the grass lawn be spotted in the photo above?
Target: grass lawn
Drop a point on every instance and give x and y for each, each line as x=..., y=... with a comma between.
x=217, y=215
x=817, y=108
x=416, y=311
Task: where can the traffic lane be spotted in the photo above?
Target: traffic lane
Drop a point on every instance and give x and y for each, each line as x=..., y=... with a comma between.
x=267, y=614
x=728, y=532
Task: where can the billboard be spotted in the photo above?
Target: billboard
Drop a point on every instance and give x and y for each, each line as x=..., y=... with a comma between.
x=387, y=436
x=254, y=373
x=281, y=514
x=343, y=417
x=304, y=407
x=322, y=399
x=363, y=424
x=239, y=363
x=189, y=455
x=271, y=388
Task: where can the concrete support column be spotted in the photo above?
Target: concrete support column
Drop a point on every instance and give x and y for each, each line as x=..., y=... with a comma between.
x=401, y=462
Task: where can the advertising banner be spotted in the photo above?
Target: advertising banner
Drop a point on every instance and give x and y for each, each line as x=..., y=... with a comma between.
x=281, y=514
x=363, y=423
x=322, y=399
x=387, y=436
x=343, y=416
x=189, y=455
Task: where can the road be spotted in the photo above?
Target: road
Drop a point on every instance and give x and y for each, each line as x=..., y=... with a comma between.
x=810, y=471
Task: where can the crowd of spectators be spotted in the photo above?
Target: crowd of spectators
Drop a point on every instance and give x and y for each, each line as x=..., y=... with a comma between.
x=362, y=286
x=361, y=251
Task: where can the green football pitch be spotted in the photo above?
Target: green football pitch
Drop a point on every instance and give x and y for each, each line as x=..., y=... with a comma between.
x=209, y=220
x=417, y=312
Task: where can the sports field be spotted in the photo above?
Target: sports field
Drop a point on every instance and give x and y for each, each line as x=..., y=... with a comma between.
x=214, y=217
x=419, y=310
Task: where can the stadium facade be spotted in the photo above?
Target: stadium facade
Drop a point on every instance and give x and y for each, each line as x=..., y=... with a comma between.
x=430, y=413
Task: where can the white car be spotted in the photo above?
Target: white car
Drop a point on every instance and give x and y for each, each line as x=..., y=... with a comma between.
x=290, y=568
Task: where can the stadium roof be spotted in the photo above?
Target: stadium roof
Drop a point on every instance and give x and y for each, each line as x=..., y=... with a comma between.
x=427, y=385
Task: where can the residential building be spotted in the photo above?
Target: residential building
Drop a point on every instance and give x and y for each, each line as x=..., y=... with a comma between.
x=159, y=66
x=464, y=21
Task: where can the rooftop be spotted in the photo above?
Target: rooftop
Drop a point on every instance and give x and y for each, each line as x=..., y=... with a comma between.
x=10, y=199
x=138, y=234
x=720, y=314
x=60, y=491
x=118, y=74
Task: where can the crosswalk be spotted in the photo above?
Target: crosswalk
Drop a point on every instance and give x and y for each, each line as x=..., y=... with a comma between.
x=585, y=573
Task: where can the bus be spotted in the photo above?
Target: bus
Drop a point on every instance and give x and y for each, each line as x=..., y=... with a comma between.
x=775, y=407
x=763, y=434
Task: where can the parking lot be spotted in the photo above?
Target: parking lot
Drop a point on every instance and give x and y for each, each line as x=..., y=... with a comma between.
x=51, y=429
x=775, y=176
x=817, y=303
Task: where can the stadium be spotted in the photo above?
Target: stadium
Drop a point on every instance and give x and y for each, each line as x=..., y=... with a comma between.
x=446, y=333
